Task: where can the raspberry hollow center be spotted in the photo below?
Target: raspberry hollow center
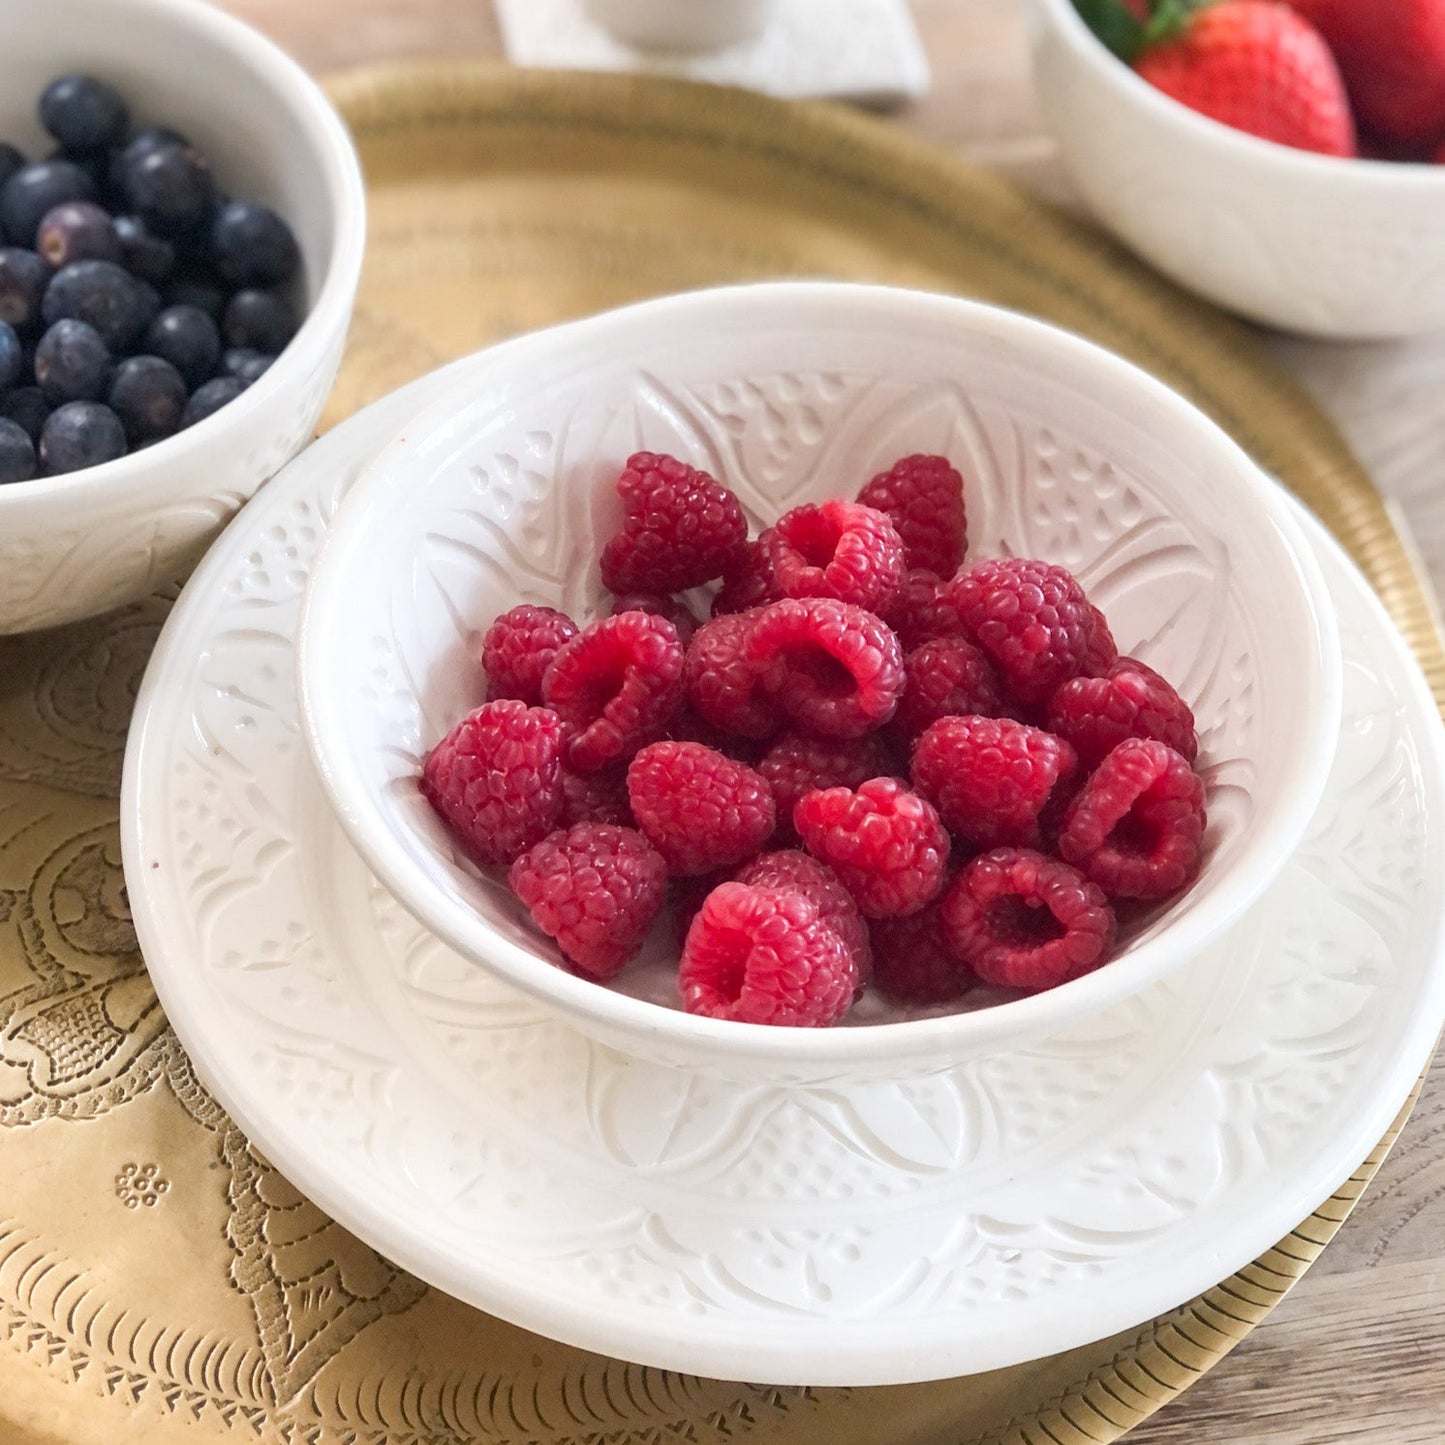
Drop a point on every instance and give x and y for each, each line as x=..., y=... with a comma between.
x=1023, y=922
x=1133, y=836
x=828, y=676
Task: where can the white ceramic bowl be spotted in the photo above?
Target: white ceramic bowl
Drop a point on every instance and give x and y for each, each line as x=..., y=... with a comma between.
x=501, y=493
x=76, y=545
x=1315, y=244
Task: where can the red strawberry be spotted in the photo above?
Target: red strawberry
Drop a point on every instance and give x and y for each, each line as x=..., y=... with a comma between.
x=1259, y=67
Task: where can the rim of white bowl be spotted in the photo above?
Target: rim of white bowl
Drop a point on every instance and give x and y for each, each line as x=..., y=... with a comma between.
x=346, y=198
x=1413, y=175
x=355, y=807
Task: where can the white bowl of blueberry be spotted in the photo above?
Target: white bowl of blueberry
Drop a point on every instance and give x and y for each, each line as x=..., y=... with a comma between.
x=181, y=230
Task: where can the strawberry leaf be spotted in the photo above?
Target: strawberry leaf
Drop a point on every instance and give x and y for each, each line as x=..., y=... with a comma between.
x=1168, y=18
x=1116, y=25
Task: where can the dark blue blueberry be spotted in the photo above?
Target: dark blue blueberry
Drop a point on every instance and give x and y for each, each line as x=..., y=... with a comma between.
x=80, y=434
x=73, y=363
x=187, y=338
x=170, y=187
x=83, y=114
x=23, y=279
x=35, y=189
x=77, y=231
x=12, y=357
x=141, y=253
x=252, y=246
x=10, y=161
x=191, y=289
x=149, y=397
x=17, y=454
x=27, y=407
x=258, y=320
x=107, y=297
x=208, y=399
x=245, y=364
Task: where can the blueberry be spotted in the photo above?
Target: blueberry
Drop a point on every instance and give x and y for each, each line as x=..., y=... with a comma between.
x=106, y=296
x=73, y=363
x=80, y=434
x=170, y=187
x=187, y=338
x=17, y=454
x=10, y=161
x=141, y=253
x=253, y=246
x=190, y=289
x=77, y=231
x=149, y=397
x=27, y=407
x=12, y=357
x=258, y=320
x=23, y=279
x=35, y=189
x=208, y=399
x=82, y=113
x=245, y=364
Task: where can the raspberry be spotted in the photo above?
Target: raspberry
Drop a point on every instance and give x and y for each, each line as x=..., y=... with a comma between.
x=496, y=779
x=910, y=610
x=723, y=682
x=835, y=669
x=990, y=778
x=517, y=649
x=688, y=727
x=792, y=868
x=688, y=896
x=596, y=798
x=797, y=764
x=923, y=496
x=594, y=888
x=748, y=581
x=913, y=961
x=699, y=809
x=885, y=843
x=1102, y=651
x=680, y=528
x=1021, y=920
x=1137, y=826
x=1130, y=700
x=674, y=609
x=616, y=685
x=764, y=956
x=1031, y=618
x=948, y=677
x=837, y=549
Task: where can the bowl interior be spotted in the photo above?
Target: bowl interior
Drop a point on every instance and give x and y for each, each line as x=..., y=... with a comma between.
x=502, y=494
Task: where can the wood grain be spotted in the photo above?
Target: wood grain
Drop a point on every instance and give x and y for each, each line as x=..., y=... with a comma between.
x=1352, y=1354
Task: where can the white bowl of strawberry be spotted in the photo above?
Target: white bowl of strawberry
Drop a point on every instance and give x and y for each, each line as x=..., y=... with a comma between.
x=1281, y=159
x=773, y=679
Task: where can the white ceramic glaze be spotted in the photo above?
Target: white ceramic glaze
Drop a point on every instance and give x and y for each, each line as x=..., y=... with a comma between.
x=501, y=492
x=862, y=1233
x=682, y=25
x=1315, y=244
x=76, y=545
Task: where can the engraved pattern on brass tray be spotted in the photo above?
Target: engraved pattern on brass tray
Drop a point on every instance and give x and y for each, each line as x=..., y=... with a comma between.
x=159, y=1282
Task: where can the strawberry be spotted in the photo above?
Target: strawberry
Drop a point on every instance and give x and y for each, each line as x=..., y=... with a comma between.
x=1392, y=56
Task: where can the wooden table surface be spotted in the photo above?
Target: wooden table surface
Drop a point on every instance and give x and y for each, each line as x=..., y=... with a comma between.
x=1353, y=1353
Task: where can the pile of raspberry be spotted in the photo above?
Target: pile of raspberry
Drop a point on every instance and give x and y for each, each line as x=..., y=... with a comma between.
x=873, y=765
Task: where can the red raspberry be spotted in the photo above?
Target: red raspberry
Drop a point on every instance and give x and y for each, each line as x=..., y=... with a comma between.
x=688, y=727
x=680, y=528
x=616, y=685
x=792, y=868
x=517, y=649
x=1102, y=651
x=948, y=677
x=884, y=842
x=496, y=779
x=1031, y=618
x=699, y=809
x=1021, y=920
x=1131, y=700
x=688, y=896
x=724, y=684
x=677, y=612
x=913, y=961
x=990, y=778
x=911, y=608
x=764, y=956
x=835, y=669
x=923, y=496
x=749, y=580
x=797, y=764
x=596, y=798
x=837, y=549
x=1137, y=826
x=594, y=888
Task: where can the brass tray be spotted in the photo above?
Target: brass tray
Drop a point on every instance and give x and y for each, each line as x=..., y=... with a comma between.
x=158, y=1281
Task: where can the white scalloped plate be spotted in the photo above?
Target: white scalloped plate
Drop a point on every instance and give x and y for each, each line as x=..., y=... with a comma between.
x=860, y=1234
